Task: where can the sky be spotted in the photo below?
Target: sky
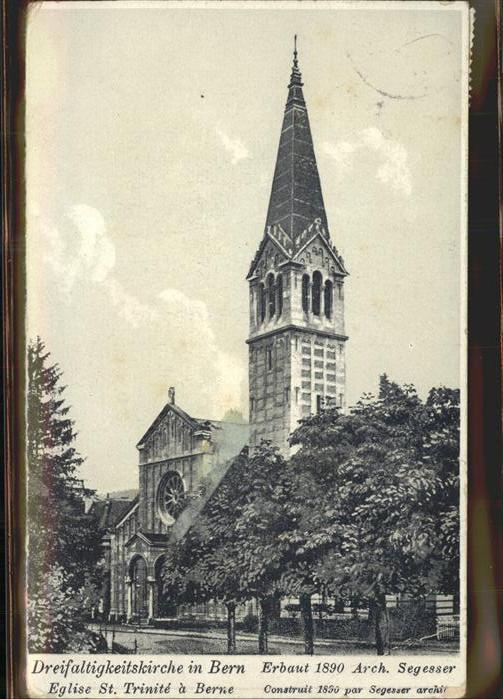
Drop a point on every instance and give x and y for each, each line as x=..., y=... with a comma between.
x=152, y=135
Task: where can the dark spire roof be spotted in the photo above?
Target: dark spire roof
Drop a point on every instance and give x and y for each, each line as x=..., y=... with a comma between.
x=296, y=198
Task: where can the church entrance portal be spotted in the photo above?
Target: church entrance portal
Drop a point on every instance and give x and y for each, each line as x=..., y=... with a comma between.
x=138, y=577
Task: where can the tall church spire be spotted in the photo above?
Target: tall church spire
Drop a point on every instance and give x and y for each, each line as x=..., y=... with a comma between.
x=297, y=337
x=296, y=198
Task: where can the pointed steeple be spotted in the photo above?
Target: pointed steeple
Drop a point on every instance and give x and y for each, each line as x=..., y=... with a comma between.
x=296, y=198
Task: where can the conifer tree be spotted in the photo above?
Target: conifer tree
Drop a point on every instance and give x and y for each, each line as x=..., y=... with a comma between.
x=59, y=531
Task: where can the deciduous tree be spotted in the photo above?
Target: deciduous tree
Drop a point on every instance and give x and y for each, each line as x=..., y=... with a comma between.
x=386, y=483
x=232, y=552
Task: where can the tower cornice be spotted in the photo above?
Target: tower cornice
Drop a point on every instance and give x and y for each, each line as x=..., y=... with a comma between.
x=297, y=328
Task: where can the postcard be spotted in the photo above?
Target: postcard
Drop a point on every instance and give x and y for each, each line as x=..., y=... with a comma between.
x=246, y=234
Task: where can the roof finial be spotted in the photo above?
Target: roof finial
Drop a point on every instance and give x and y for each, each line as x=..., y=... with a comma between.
x=295, y=77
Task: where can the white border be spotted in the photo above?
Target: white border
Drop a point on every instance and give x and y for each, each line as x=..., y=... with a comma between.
x=249, y=688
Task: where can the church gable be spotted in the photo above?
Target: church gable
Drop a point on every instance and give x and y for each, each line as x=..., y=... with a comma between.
x=277, y=248
x=271, y=253
x=317, y=251
x=170, y=433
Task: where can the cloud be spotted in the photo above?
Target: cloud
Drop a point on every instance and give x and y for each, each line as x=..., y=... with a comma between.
x=168, y=334
x=190, y=323
x=392, y=168
x=234, y=146
x=97, y=252
x=80, y=250
x=131, y=309
x=340, y=152
x=189, y=309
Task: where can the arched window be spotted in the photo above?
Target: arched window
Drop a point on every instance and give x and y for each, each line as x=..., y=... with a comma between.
x=270, y=294
x=329, y=295
x=305, y=293
x=261, y=302
x=317, y=281
x=279, y=288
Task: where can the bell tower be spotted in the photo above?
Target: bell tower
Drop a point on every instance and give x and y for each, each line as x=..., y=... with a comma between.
x=296, y=283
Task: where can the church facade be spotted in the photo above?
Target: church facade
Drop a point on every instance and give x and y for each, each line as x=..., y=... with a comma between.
x=177, y=454
x=296, y=366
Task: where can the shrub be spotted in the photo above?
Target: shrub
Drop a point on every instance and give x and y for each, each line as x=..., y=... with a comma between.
x=249, y=623
x=56, y=618
x=322, y=609
x=411, y=620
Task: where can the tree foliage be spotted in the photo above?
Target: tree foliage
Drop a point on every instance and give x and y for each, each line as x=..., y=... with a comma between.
x=59, y=531
x=55, y=617
x=64, y=546
x=384, y=517
x=231, y=553
x=367, y=505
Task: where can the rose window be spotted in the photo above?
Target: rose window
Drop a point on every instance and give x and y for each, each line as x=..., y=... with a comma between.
x=171, y=496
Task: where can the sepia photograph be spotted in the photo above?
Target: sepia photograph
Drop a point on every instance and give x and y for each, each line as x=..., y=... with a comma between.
x=246, y=337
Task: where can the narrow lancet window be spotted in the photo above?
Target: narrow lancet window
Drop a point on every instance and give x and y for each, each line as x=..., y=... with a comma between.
x=279, y=289
x=317, y=281
x=271, y=295
x=262, y=302
x=329, y=295
x=305, y=293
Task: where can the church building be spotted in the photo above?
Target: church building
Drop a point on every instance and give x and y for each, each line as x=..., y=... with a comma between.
x=296, y=365
x=176, y=455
